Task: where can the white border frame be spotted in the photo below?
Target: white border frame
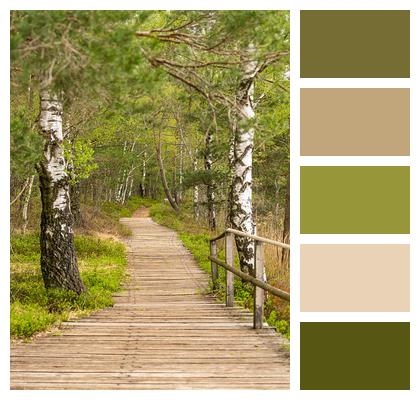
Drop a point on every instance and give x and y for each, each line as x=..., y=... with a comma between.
x=296, y=239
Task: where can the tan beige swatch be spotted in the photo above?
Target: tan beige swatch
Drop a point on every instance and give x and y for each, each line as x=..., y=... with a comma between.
x=354, y=277
x=355, y=122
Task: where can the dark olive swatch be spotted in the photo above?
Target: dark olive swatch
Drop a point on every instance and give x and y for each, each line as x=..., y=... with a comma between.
x=355, y=199
x=355, y=355
x=355, y=44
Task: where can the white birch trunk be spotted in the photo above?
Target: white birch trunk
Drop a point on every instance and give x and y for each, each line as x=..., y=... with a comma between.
x=121, y=187
x=196, y=192
x=26, y=204
x=121, y=179
x=208, y=163
x=143, y=177
x=130, y=191
x=241, y=202
x=127, y=176
x=58, y=256
x=181, y=172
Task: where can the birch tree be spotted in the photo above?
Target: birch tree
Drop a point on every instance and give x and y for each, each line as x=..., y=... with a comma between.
x=58, y=256
x=60, y=51
x=241, y=215
x=221, y=62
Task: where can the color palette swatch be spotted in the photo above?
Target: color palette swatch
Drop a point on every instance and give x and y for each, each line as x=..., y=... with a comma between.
x=355, y=199
x=350, y=191
x=355, y=44
x=355, y=277
x=355, y=122
x=355, y=355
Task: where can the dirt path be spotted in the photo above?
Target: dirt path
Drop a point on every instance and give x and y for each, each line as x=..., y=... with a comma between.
x=162, y=333
x=142, y=212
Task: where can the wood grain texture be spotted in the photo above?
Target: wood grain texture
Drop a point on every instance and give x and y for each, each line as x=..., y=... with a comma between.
x=163, y=332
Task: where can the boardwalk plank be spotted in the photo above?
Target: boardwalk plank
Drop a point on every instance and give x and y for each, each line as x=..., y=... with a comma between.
x=163, y=332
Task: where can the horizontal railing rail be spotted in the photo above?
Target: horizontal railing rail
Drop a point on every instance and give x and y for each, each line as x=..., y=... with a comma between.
x=268, y=288
x=257, y=280
x=258, y=238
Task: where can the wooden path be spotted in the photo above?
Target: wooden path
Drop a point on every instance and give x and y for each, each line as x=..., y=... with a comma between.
x=162, y=333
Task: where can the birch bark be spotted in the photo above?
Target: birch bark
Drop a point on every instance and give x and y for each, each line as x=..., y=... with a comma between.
x=196, y=192
x=143, y=177
x=241, y=216
x=58, y=257
x=208, y=162
x=26, y=204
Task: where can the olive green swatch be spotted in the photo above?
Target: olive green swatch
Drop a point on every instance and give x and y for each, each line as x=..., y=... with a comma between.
x=355, y=44
x=355, y=199
x=355, y=355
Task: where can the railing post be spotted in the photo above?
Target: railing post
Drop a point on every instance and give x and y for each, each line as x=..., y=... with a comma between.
x=214, y=266
x=258, y=292
x=230, y=260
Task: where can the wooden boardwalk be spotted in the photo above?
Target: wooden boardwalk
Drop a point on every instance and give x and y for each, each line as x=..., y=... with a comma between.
x=162, y=333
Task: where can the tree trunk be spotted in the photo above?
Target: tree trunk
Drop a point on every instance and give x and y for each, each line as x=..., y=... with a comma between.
x=171, y=200
x=58, y=256
x=143, y=178
x=208, y=162
x=175, y=183
x=181, y=173
x=241, y=216
x=125, y=188
x=130, y=191
x=120, y=190
x=121, y=179
x=26, y=204
x=196, y=193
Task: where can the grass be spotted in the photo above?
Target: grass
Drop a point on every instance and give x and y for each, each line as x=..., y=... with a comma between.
x=34, y=309
x=196, y=239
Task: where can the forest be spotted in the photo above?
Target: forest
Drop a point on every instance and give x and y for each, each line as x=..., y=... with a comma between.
x=181, y=114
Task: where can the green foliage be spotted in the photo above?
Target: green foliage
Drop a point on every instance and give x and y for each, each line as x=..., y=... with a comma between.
x=282, y=326
x=25, y=142
x=27, y=319
x=80, y=157
x=34, y=309
x=68, y=47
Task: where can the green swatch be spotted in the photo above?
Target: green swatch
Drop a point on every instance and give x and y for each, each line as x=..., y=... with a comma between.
x=355, y=355
x=355, y=44
x=355, y=200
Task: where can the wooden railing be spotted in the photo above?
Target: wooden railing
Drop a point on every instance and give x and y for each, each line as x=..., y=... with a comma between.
x=257, y=280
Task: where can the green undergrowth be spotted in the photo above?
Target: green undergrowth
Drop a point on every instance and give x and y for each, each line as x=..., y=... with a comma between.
x=34, y=309
x=117, y=210
x=196, y=239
